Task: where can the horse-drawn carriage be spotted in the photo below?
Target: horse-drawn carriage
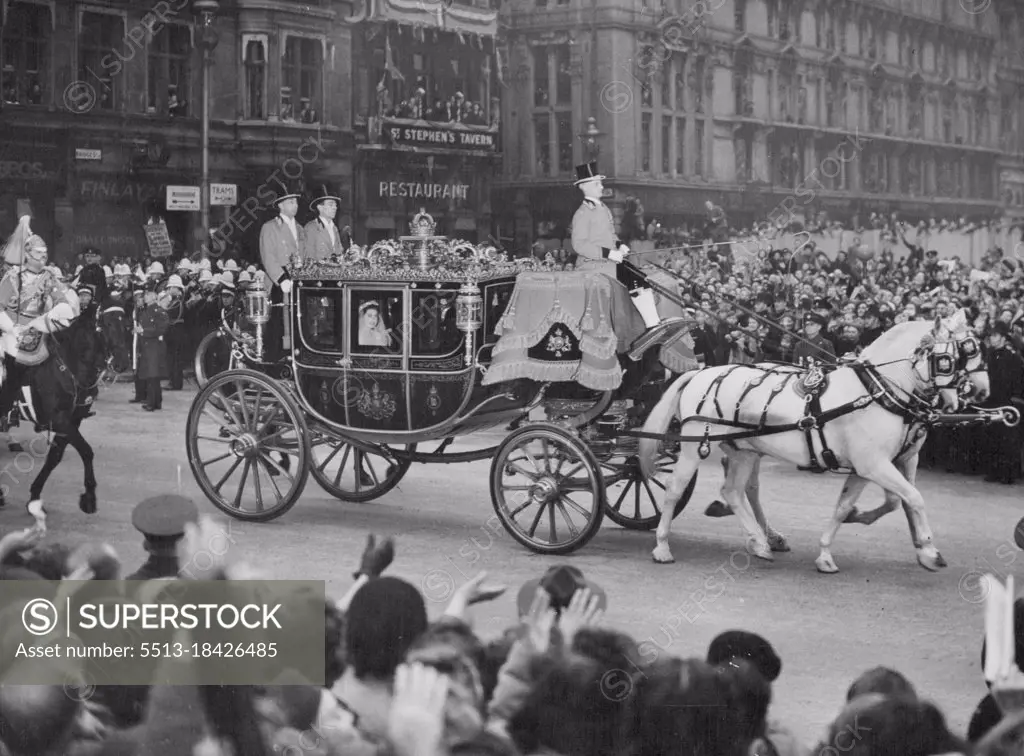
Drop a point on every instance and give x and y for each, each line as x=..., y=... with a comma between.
x=392, y=349
x=427, y=341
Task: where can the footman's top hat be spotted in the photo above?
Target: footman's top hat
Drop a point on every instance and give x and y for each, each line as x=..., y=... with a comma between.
x=290, y=190
x=561, y=582
x=323, y=193
x=587, y=172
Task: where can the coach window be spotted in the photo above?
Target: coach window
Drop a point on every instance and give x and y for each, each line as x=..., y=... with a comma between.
x=322, y=319
x=377, y=322
x=27, y=35
x=433, y=324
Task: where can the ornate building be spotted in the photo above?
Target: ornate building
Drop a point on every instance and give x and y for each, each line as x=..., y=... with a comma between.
x=102, y=106
x=826, y=108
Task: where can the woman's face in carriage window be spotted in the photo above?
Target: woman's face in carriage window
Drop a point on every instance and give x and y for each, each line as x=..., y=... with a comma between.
x=371, y=318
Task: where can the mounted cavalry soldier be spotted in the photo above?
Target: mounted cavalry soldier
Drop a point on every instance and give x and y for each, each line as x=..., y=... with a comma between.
x=323, y=240
x=33, y=303
x=598, y=249
x=281, y=239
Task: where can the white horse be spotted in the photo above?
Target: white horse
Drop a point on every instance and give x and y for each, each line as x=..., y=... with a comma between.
x=970, y=366
x=909, y=365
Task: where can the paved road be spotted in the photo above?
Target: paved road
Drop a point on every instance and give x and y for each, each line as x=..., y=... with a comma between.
x=880, y=609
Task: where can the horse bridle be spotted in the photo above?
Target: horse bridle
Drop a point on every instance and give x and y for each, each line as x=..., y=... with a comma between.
x=951, y=363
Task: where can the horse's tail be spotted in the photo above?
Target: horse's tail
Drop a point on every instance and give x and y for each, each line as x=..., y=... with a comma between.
x=658, y=421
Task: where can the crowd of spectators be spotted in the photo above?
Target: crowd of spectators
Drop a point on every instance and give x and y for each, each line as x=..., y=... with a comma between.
x=559, y=681
x=455, y=108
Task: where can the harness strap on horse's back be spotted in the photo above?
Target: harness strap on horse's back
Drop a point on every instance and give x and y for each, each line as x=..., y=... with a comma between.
x=771, y=397
x=716, y=384
x=752, y=384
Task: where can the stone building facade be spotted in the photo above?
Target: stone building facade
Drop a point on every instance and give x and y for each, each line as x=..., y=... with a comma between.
x=831, y=108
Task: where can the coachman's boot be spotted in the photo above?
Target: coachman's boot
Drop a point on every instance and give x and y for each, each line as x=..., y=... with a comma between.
x=658, y=330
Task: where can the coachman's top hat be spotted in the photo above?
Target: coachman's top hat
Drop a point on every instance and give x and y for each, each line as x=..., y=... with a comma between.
x=323, y=193
x=291, y=191
x=587, y=172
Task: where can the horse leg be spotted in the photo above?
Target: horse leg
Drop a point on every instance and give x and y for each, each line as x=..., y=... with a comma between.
x=682, y=474
x=909, y=471
x=888, y=477
x=742, y=465
x=776, y=540
x=53, y=458
x=87, y=501
x=852, y=489
x=718, y=507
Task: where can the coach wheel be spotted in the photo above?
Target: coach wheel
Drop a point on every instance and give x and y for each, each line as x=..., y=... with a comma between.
x=547, y=489
x=353, y=473
x=635, y=503
x=247, y=445
x=213, y=356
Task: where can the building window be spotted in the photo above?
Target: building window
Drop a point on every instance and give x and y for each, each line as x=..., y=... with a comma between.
x=542, y=144
x=771, y=8
x=666, y=145
x=565, y=144
x=170, y=51
x=697, y=86
x=680, y=146
x=302, y=73
x=666, y=85
x=645, y=143
x=698, y=153
x=741, y=157
x=740, y=15
x=680, y=82
x=255, y=80
x=101, y=35
x=26, y=49
x=541, y=91
x=563, y=75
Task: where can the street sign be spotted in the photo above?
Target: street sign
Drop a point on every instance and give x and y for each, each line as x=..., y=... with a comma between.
x=84, y=154
x=182, y=197
x=223, y=194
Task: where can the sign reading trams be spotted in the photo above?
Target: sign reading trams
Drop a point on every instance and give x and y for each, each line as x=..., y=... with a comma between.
x=442, y=137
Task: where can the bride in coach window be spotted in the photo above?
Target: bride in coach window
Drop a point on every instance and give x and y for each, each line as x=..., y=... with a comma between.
x=372, y=331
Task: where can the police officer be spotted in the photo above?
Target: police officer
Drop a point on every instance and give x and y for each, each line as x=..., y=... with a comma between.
x=162, y=520
x=1006, y=377
x=94, y=275
x=151, y=328
x=815, y=346
x=177, y=335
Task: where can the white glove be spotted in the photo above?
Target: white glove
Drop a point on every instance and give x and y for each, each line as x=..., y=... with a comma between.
x=615, y=256
x=286, y=286
x=623, y=250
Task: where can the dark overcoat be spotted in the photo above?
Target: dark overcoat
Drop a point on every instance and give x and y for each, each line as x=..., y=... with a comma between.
x=152, y=344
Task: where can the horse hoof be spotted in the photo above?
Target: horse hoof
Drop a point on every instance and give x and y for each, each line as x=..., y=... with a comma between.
x=826, y=565
x=718, y=509
x=931, y=560
x=777, y=542
x=662, y=555
x=853, y=518
x=760, y=550
x=87, y=502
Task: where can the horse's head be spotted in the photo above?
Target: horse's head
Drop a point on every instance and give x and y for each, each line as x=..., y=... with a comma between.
x=949, y=358
x=112, y=326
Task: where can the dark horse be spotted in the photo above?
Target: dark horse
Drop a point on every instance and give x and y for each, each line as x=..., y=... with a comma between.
x=63, y=388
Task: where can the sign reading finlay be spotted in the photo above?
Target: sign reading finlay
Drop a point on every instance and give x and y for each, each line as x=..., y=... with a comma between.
x=84, y=154
x=224, y=194
x=182, y=197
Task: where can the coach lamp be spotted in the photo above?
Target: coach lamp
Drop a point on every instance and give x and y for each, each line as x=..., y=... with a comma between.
x=257, y=310
x=469, y=315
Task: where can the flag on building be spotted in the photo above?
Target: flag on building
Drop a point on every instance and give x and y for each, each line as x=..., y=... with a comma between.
x=389, y=61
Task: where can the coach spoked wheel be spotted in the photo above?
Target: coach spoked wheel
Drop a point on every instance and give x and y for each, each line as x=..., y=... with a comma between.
x=547, y=489
x=247, y=445
x=213, y=356
x=635, y=503
x=353, y=473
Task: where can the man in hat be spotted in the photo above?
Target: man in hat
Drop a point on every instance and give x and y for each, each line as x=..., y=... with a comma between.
x=815, y=348
x=1006, y=376
x=322, y=237
x=281, y=239
x=93, y=274
x=162, y=520
x=597, y=248
x=33, y=302
x=151, y=329
x=177, y=335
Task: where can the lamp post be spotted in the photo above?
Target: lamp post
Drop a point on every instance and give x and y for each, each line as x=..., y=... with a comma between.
x=591, y=148
x=205, y=11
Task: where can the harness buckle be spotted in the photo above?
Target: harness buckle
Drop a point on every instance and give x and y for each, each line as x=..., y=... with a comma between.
x=807, y=422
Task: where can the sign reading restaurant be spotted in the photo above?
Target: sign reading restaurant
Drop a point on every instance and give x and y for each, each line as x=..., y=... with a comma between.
x=441, y=136
x=418, y=190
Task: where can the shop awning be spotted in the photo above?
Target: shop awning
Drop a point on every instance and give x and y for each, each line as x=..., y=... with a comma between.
x=436, y=15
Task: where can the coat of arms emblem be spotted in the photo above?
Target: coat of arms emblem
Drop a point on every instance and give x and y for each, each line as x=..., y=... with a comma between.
x=433, y=400
x=376, y=404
